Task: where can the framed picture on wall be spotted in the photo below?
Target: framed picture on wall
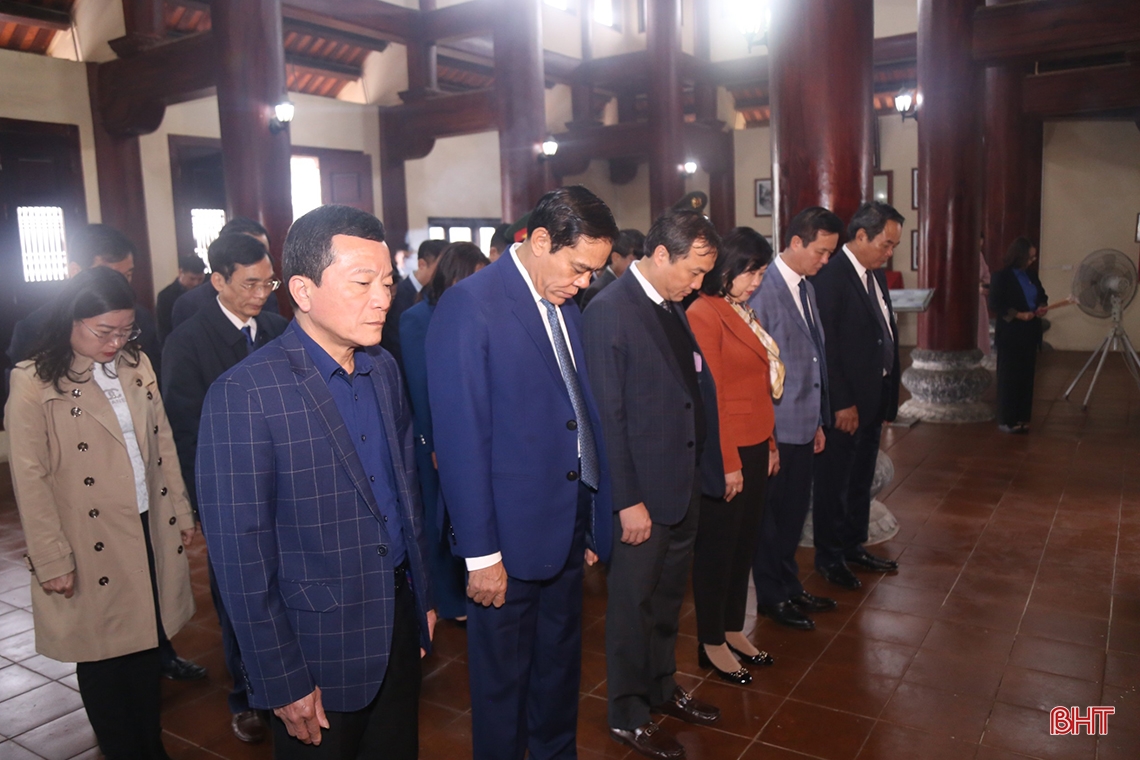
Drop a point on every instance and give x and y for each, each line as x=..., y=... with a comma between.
x=763, y=197
x=914, y=250
x=914, y=188
x=882, y=188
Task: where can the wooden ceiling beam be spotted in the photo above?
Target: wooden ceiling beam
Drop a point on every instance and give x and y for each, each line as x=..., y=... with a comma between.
x=423, y=121
x=322, y=66
x=1082, y=92
x=469, y=19
x=368, y=18
x=1042, y=29
x=12, y=12
x=335, y=35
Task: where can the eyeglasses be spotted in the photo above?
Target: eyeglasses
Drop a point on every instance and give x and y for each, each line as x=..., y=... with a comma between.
x=269, y=286
x=116, y=336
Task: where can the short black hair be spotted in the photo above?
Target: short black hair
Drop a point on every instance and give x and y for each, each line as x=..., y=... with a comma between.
x=192, y=264
x=742, y=250
x=229, y=252
x=499, y=241
x=813, y=220
x=680, y=230
x=872, y=218
x=430, y=250
x=308, y=246
x=570, y=213
x=458, y=260
x=98, y=241
x=630, y=243
x=243, y=226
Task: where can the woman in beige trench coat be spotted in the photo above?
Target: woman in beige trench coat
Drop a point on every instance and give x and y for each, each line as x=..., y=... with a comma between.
x=104, y=509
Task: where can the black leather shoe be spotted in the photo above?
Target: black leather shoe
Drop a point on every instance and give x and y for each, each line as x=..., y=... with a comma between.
x=864, y=559
x=760, y=658
x=179, y=669
x=806, y=602
x=650, y=741
x=683, y=707
x=785, y=614
x=840, y=575
x=739, y=676
x=248, y=727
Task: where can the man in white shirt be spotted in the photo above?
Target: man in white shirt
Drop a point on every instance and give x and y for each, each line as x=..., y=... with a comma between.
x=863, y=379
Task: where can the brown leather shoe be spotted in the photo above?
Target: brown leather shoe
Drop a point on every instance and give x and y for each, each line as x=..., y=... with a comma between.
x=690, y=710
x=248, y=726
x=650, y=741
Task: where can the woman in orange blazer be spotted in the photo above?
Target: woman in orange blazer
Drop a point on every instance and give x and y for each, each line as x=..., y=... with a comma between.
x=744, y=361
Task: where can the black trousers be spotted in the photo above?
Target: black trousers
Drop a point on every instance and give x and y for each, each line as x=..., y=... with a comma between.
x=774, y=567
x=646, y=587
x=842, y=500
x=1016, y=367
x=121, y=695
x=389, y=726
x=727, y=535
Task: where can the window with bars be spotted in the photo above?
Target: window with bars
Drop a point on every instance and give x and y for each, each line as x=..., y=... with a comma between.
x=465, y=230
x=43, y=243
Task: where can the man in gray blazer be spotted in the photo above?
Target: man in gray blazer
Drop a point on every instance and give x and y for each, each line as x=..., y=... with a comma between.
x=786, y=307
x=659, y=421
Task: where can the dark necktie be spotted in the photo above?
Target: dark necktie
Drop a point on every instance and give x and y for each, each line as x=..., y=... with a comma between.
x=888, y=341
x=667, y=306
x=247, y=331
x=810, y=318
x=587, y=448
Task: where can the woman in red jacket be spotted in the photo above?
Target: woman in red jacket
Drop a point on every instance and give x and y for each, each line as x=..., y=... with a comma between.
x=745, y=363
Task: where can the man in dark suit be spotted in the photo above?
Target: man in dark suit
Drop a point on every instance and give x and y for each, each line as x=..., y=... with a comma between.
x=309, y=502
x=191, y=274
x=523, y=474
x=863, y=390
x=628, y=248
x=786, y=306
x=427, y=257
x=219, y=336
x=659, y=418
x=188, y=304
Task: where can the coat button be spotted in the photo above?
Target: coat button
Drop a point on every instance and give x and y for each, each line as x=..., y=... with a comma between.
x=76, y=411
x=93, y=513
x=572, y=425
x=690, y=444
x=89, y=481
x=180, y=548
x=382, y=550
x=688, y=405
x=82, y=446
x=76, y=393
x=138, y=382
x=160, y=461
x=149, y=395
x=156, y=429
x=571, y=475
x=816, y=385
x=162, y=492
x=104, y=581
x=173, y=520
x=99, y=546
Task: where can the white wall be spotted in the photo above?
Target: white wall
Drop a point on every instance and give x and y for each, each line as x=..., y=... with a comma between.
x=460, y=177
x=1090, y=200
x=629, y=202
x=898, y=153
x=753, y=151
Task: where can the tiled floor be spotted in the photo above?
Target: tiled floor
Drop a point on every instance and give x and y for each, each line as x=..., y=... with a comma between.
x=1019, y=590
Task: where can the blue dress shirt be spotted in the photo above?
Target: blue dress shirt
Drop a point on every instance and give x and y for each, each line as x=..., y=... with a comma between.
x=356, y=400
x=1027, y=287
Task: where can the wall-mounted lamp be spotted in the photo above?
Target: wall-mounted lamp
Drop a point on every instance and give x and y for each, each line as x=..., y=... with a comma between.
x=689, y=167
x=549, y=148
x=906, y=103
x=282, y=115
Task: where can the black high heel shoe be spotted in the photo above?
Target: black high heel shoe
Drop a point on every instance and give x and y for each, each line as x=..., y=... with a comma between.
x=760, y=658
x=740, y=676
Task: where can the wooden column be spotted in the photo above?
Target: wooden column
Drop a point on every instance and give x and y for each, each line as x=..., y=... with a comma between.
x=423, y=72
x=821, y=79
x=122, y=204
x=520, y=90
x=145, y=25
x=702, y=50
x=393, y=183
x=251, y=81
x=582, y=90
x=666, y=109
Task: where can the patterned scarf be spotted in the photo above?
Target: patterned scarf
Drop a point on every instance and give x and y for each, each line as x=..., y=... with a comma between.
x=775, y=366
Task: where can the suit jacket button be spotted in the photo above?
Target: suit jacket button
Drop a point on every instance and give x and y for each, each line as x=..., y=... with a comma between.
x=76, y=393
x=82, y=446
x=688, y=404
x=571, y=475
x=149, y=395
x=180, y=548
x=162, y=492
x=382, y=550
x=89, y=481
x=173, y=520
x=99, y=546
x=138, y=382
x=816, y=385
x=156, y=429
x=690, y=444
x=93, y=513
x=76, y=411
x=572, y=425
x=160, y=460
x=104, y=581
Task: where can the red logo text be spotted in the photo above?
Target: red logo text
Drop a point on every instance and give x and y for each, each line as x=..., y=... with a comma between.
x=1068, y=720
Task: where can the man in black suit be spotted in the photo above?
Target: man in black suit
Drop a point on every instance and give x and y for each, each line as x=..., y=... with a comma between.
x=659, y=421
x=427, y=257
x=222, y=333
x=191, y=274
x=863, y=388
x=628, y=248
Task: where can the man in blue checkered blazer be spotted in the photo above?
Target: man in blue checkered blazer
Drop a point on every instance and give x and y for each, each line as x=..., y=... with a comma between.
x=307, y=495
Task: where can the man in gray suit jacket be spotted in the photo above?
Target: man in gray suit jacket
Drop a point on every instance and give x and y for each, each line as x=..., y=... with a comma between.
x=786, y=307
x=659, y=421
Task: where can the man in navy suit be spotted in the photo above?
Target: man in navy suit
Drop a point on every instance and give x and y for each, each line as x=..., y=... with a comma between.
x=863, y=382
x=786, y=307
x=307, y=492
x=523, y=472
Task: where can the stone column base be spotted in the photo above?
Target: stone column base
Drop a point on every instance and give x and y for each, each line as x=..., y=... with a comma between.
x=946, y=386
x=882, y=525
